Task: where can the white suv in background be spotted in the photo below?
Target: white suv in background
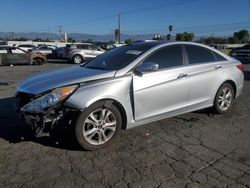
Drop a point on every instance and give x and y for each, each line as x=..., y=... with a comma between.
x=27, y=47
x=79, y=53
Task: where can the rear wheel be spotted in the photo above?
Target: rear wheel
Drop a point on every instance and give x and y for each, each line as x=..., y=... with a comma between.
x=224, y=98
x=98, y=125
x=77, y=59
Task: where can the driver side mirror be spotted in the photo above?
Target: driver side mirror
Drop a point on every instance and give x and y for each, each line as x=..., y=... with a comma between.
x=146, y=67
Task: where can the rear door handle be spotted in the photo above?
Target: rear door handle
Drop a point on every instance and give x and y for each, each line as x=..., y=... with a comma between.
x=218, y=67
x=182, y=76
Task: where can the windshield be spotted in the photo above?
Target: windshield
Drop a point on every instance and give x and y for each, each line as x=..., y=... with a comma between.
x=118, y=57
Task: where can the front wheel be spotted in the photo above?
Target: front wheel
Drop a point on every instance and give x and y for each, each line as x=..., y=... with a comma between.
x=77, y=59
x=98, y=125
x=224, y=98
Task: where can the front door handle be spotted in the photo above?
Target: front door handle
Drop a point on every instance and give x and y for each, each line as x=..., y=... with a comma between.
x=218, y=67
x=182, y=76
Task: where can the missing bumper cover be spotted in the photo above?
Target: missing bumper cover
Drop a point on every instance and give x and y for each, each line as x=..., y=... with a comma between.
x=45, y=124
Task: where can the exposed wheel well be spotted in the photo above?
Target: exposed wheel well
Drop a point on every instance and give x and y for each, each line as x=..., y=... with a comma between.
x=77, y=55
x=38, y=59
x=232, y=83
x=121, y=109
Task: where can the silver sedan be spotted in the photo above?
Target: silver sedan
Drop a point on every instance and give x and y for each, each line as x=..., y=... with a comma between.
x=127, y=87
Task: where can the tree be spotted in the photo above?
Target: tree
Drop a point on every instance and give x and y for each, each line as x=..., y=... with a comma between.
x=157, y=37
x=90, y=40
x=70, y=39
x=128, y=41
x=111, y=42
x=214, y=40
x=242, y=36
x=233, y=40
x=38, y=40
x=184, y=36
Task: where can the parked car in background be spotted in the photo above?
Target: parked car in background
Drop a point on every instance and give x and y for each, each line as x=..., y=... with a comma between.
x=242, y=53
x=130, y=86
x=58, y=52
x=26, y=47
x=223, y=48
x=105, y=46
x=44, y=49
x=10, y=55
x=79, y=53
x=3, y=42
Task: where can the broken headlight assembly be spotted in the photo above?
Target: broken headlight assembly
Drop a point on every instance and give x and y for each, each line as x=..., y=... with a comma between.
x=50, y=99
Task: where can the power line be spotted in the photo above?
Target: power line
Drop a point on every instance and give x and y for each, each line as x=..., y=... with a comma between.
x=224, y=26
x=97, y=19
x=169, y=4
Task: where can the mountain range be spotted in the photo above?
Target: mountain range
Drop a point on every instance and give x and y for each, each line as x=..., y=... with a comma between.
x=76, y=36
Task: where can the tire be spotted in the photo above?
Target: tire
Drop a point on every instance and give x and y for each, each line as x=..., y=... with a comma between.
x=224, y=98
x=37, y=61
x=94, y=132
x=77, y=59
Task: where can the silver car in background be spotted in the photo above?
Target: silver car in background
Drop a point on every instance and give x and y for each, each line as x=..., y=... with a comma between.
x=27, y=47
x=130, y=86
x=79, y=53
x=45, y=49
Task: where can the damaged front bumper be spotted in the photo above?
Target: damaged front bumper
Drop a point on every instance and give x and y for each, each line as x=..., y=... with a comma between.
x=46, y=112
x=50, y=121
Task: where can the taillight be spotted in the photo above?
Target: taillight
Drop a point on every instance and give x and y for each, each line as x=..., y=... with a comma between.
x=240, y=66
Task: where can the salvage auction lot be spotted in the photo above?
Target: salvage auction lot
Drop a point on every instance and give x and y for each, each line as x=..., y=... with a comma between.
x=197, y=148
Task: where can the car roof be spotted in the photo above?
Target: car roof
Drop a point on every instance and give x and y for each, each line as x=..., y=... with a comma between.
x=148, y=44
x=7, y=46
x=25, y=45
x=80, y=43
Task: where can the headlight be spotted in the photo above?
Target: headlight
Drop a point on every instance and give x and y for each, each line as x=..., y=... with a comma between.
x=55, y=96
x=233, y=54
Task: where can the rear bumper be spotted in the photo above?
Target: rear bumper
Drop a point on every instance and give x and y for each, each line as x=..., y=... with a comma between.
x=239, y=91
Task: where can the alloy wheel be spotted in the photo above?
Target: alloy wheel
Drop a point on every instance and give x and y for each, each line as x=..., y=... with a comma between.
x=77, y=59
x=99, y=126
x=225, y=98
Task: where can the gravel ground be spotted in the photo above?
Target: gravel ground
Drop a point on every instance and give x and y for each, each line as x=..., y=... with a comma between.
x=192, y=150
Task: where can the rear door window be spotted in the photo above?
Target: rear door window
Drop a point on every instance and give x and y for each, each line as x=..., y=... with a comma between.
x=198, y=54
x=82, y=46
x=93, y=47
x=219, y=57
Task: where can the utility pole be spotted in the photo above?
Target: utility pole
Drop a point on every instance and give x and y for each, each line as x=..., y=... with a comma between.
x=170, y=29
x=48, y=33
x=119, y=29
x=60, y=31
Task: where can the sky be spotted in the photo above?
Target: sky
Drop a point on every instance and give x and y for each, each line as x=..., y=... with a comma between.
x=217, y=17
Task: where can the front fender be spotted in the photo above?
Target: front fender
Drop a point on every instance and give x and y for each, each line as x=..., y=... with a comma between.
x=118, y=89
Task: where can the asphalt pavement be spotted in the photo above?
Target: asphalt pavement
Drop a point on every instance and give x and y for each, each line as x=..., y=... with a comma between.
x=198, y=149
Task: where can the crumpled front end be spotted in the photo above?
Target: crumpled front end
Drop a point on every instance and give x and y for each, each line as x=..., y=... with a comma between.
x=44, y=122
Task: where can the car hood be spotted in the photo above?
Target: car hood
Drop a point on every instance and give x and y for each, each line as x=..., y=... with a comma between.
x=45, y=81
